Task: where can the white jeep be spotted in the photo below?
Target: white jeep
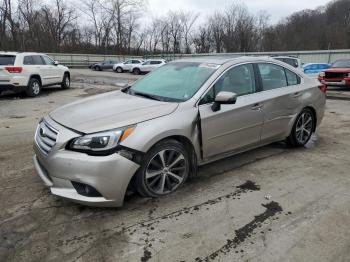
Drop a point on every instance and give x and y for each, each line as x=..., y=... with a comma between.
x=30, y=72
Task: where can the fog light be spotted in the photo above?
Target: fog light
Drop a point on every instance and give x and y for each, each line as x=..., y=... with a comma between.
x=86, y=190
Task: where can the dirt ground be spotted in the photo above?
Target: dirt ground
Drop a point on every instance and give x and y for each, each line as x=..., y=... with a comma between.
x=269, y=204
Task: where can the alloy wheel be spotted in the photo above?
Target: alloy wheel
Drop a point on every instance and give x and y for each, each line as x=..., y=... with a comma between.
x=165, y=171
x=36, y=88
x=67, y=81
x=304, y=127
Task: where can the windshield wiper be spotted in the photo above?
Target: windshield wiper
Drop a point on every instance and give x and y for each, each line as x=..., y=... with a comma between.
x=146, y=96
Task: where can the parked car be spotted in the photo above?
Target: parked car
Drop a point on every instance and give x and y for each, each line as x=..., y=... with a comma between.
x=103, y=65
x=30, y=72
x=127, y=65
x=337, y=75
x=315, y=68
x=147, y=66
x=152, y=135
x=290, y=60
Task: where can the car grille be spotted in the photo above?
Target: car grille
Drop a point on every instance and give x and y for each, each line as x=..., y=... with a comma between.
x=335, y=75
x=45, y=137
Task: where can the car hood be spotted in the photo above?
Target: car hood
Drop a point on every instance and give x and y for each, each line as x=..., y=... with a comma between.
x=109, y=111
x=338, y=70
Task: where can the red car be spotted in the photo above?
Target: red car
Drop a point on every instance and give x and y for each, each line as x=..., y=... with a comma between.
x=337, y=75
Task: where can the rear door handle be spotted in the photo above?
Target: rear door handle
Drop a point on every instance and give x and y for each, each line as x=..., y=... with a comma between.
x=257, y=106
x=297, y=94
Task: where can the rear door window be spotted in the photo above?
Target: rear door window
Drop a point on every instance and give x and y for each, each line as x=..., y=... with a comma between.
x=7, y=59
x=272, y=76
x=292, y=78
x=155, y=62
x=37, y=60
x=28, y=60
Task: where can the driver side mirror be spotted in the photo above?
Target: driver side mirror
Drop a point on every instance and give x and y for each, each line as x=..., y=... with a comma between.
x=56, y=63
x=223, y=98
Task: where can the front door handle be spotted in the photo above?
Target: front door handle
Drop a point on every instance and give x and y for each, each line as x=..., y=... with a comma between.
x=257, y=106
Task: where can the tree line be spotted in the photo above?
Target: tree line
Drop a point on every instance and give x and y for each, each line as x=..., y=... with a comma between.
x=121, y=27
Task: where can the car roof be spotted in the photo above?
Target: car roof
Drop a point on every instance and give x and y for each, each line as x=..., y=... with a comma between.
x=290, y=57
x=8, y=53
x=220, y=60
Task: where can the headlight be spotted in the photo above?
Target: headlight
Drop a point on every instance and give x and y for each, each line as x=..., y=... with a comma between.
x=103, y=141
x=322, y=74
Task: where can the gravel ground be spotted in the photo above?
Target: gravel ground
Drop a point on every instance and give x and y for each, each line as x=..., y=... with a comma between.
x=269, y=204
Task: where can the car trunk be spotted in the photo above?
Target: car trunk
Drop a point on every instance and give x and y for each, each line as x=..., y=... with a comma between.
x=6, y=60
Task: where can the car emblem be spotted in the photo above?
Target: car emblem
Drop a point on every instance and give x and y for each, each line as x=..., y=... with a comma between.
x=42, y=132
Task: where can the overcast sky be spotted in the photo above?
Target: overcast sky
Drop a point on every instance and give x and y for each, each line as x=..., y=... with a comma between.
x=276, y=8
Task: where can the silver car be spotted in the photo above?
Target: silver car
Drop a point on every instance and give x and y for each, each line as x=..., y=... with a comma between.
x=153, y=135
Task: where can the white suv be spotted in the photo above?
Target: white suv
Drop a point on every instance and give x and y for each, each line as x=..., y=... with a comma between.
x=30, y=72
x=147, y=66
x=126, y=66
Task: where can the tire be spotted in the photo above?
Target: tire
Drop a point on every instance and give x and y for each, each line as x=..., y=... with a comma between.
x=66, y=81
x=119, y=70
x=34, y=87
x=302, y=129
x=99, y=68
x=136, y=71
x=155, y=179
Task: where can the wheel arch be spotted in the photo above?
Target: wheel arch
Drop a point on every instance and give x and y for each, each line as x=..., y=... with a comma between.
x=189, y=147
x=312, y=109
x=36, y=76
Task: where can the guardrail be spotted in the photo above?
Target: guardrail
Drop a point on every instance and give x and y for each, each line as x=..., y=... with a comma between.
x=319, y=56
x=84, y=60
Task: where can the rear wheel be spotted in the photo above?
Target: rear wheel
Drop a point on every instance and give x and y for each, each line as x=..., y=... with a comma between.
x=33, y=88
x=66, y=81
x=119, y=70
x=165, y=168
x=302, y=129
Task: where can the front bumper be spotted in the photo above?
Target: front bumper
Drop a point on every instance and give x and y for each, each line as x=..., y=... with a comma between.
x=329, y=82
x=109, y=175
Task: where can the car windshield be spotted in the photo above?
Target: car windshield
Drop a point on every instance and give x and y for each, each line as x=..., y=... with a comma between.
x=7, y=59
x=175, y=82
x=341, y=64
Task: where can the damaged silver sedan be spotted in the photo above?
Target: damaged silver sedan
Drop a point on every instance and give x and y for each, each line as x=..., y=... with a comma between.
x=153, y=135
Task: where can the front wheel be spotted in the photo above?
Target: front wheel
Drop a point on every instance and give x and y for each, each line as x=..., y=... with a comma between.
x=165, y=168
x=136, y=71
x=33, y=88
x=65, y=82
x=302, y=129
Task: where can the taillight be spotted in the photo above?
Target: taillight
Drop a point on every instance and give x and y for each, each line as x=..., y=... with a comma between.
x=323, y=88
x=14, y=69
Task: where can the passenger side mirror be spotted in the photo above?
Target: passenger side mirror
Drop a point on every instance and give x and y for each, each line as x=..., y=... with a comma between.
x=223, y=98
x=56, y=63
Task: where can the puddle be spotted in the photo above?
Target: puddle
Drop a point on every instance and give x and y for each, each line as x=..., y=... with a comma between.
x=249, y=185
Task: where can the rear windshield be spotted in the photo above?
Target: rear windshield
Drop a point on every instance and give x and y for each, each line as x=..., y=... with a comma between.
x=7, y=59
